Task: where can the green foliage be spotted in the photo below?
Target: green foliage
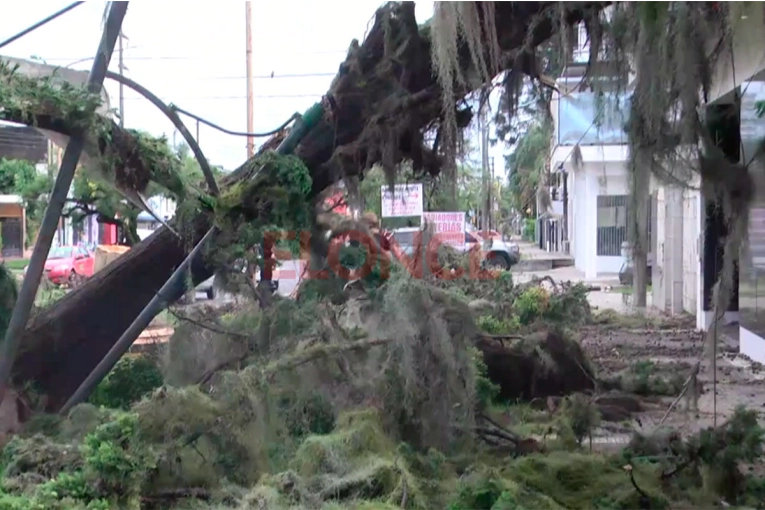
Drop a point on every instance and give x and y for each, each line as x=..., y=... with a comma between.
x=527, y=164
x=582, y=481
x=436, y=190
x=23, y=98
x=529, y=229
x=8, y=295
x=14, y=174
x=531, y=305
x=132, y=159
x=569, y=306
x=107, y=469
x=495, y=326
x=271, y=199
x=489, y=489
x=581, y=415
x=115, y=457
x=48, y=294
x=759, y=108
x=486, y=391
x=641, y=378
x=20, y=177
x=132, y=378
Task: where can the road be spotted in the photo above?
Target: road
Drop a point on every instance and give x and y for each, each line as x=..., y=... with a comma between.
x=289, y=271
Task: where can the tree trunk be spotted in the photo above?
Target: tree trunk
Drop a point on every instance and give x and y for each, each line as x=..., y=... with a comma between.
x=641, y=183
x=364, y=114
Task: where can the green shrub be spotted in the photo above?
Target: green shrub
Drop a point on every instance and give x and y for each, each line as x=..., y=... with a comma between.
x=494, y=326
x=115, y=460
x=529, y=229
x=531, y=304
x=130, y=379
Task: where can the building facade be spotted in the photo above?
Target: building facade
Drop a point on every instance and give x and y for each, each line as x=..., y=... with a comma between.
x=163, y=207
x=739, y=86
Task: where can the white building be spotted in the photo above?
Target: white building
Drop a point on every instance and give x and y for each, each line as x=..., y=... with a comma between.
x=741, y=69
x=687, y=227
x=163, y=207
x=589, y=172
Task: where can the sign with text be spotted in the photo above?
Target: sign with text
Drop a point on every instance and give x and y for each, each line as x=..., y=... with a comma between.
x=450, y=226
x=406, y=200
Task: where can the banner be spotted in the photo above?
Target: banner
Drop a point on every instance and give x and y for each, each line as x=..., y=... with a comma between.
x=406, y=200
x=449, y=225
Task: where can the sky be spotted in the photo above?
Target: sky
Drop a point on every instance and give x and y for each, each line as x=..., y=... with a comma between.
x=195, y=57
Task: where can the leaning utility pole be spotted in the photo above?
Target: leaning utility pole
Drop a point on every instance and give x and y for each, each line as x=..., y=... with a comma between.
x=250, y=114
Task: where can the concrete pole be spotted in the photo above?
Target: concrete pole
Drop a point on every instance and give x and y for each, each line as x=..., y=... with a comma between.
x=250, y=84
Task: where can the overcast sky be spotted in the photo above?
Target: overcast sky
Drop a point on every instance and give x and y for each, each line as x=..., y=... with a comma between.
x=193, y=54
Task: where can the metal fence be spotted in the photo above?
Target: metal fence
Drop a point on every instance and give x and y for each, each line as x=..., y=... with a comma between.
x=613, y=211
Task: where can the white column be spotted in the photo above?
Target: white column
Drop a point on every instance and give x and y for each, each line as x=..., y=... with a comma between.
x=674, y=246
x=660, y=252
x=591, y=218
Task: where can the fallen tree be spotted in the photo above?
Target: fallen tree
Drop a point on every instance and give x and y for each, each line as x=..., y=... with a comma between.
x=383, y=99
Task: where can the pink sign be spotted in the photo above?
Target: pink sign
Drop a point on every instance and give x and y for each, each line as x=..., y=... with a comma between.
x=449, y=225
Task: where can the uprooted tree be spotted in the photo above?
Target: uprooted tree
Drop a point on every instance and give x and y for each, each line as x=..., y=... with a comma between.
x=384, y=98
x=401, y=82
x=377, y=394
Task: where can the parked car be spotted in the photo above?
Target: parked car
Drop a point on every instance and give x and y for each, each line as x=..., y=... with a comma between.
x=499, y=254
x=209, y=288
x=68, y=265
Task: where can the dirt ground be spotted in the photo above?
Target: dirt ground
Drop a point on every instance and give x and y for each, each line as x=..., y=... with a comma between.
x=673, y=346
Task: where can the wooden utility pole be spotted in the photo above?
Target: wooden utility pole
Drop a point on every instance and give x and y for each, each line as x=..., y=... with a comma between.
x=250, y=114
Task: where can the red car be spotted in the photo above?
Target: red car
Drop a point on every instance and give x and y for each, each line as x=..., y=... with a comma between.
x=68, y=264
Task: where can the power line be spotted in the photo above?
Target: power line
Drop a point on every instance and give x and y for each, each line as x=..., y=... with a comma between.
x=190, y=57
x=40, y=23
x=273, y=76
x=256, y=96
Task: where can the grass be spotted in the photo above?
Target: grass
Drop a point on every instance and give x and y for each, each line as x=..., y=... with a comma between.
x=16, y=264
x=627, y=289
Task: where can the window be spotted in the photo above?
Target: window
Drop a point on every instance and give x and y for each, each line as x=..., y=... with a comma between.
x=612, y=224
x=62, y=252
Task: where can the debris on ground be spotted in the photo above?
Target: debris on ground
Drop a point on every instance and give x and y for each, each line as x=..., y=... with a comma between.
x=397, y=393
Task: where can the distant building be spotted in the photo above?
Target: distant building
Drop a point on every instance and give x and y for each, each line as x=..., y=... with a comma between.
x=13, y=224
x=43, y=148
x=163, y=207
x=25, y=143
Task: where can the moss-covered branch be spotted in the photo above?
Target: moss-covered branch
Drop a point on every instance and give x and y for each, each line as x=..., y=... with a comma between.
x=127, y=158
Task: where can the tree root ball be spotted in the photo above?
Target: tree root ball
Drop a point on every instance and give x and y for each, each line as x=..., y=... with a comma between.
x=537, y=366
